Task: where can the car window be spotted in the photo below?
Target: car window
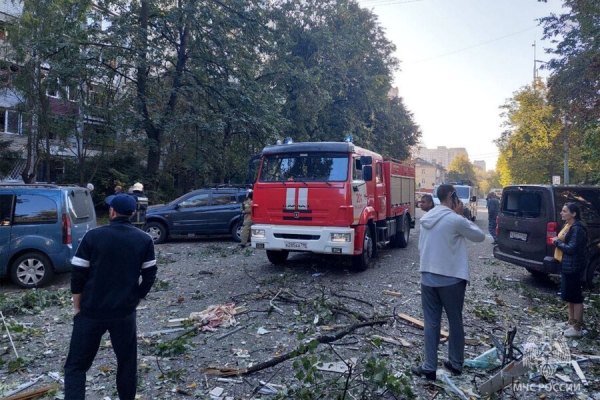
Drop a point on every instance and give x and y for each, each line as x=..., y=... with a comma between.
x=6, y=202
x=523, y=204
x=80, y=206
x=221, y=199
x=35, y=209
x=198, y=200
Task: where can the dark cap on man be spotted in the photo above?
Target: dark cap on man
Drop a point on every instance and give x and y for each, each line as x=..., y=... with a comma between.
x=122, y=204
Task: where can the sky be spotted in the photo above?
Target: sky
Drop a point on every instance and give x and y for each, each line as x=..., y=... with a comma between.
x=460, y=60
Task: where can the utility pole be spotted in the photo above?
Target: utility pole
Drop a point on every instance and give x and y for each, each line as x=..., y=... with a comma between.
x=534, y=65
x=566, y=123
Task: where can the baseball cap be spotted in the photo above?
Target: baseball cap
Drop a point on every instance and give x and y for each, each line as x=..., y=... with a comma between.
x=123, y=204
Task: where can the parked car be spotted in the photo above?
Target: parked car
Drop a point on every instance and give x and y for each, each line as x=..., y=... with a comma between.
x=530, y=216
x=41, y=226
x=201, y=212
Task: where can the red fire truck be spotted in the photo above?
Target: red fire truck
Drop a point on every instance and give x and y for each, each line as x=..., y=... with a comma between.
x=331, y=198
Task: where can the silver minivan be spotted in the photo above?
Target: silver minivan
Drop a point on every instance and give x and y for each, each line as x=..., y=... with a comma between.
x=41, y=226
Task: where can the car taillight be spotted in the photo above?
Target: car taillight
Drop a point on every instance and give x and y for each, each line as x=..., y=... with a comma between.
x=66, y=229
x=497, y=219
x=551, y=232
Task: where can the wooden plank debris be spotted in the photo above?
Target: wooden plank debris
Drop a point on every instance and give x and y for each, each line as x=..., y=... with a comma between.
x=420, y=324
x=396, y=341
x=506, y=376
x=391, y=293
x=579, y=372
x=33, y=394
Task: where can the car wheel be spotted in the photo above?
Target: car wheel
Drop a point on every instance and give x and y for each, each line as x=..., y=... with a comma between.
x=236, y=231
x=277, y=257
x=32, y=270
x=157, y=231
x=362, y=261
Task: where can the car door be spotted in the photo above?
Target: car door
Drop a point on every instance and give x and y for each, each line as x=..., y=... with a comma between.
x=224, y=206
x=7, y=200
x=190, y=214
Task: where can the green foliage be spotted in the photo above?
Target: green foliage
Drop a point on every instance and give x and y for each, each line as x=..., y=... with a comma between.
x=33, y=301
x=171, y=348
x=7, y=157
x=461, y=169
x=574, y=84
x=531, y=148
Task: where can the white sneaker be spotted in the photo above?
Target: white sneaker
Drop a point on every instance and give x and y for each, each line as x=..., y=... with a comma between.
x=563, y=325
x=571, y=332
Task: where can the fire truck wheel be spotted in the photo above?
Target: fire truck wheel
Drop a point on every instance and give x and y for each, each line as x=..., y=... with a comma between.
x=277, y=257
x=362, y=261
x=402, y=237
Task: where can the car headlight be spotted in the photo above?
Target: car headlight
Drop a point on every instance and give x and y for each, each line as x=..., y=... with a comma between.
x=340, y=237
x=258, y=233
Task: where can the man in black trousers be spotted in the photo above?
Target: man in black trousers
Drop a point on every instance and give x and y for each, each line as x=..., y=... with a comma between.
x=106, y=288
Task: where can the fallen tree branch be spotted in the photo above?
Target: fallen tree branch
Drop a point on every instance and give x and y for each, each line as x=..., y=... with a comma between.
x=351, y=298
x=302, y=349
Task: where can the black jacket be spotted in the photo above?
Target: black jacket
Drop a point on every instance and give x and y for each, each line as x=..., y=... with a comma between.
x=574, y=248
x=107, y=268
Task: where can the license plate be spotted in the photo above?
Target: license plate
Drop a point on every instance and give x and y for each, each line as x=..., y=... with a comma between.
x=518, y=236
x=296, y=245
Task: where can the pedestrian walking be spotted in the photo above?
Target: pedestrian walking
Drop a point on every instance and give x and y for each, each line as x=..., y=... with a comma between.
x=444, y=277
x=493, y=206
x=246, y=212
x=106, y=288
x=571, y=251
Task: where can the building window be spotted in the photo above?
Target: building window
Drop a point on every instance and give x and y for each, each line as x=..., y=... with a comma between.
x=422, y=172
x=423, y=180
x=9, y=121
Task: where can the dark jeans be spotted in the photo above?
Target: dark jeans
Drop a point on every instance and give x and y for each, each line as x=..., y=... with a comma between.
x=492, y=228
x=434, y=300
x=85, y=341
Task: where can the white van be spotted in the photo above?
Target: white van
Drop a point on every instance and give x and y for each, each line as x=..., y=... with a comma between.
x=466, y=194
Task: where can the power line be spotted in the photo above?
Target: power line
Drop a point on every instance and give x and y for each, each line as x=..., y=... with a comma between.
x=471, y=47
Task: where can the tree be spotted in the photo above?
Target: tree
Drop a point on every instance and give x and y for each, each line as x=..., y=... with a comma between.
x=574, y=83
x=333, y=68
x=531, y=148
x=461, y=169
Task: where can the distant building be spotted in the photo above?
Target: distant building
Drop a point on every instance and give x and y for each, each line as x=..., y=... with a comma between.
x=442, y=155
x=479, y=164
x=427, y=175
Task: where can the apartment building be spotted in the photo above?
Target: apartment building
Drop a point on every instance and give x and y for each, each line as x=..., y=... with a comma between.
x=427, y=175
x=441, y=155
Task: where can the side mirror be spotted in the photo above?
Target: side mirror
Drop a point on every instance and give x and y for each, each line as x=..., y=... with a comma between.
x=368, y=173
x=366, y=160
x=176, y=206
x=473, y=198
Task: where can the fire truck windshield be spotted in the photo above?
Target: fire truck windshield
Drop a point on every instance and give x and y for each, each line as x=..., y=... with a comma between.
x=305, y=167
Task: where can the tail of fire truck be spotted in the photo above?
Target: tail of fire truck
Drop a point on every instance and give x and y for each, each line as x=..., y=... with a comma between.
x=331, y=198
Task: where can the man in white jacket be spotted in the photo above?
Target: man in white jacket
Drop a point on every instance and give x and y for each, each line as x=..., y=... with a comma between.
x=444, y=277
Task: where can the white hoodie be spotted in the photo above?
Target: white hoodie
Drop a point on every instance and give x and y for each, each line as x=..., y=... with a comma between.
x=442, y=244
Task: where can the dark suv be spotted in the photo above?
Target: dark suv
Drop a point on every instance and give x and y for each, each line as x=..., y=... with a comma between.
x=41, y=226
x=201, y=212
x=530, y=216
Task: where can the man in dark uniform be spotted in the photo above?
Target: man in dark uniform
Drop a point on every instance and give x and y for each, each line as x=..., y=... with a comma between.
x=493, y=206
x=106, y=288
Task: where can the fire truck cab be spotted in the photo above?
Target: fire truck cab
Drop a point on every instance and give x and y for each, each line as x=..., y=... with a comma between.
x=330, y=198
